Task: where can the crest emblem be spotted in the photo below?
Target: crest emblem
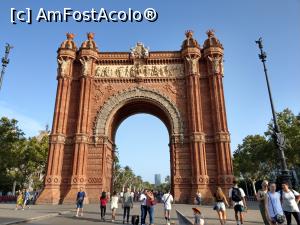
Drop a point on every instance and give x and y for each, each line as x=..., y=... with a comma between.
x=139, y=51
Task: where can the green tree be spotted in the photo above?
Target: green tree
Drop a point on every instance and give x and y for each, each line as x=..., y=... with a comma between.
x=21, y=160
x=11, y=136
x=289, y=124
x=252, y=159
x=257, y=157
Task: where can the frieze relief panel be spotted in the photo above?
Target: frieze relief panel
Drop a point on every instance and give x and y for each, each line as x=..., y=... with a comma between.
x=139, y=70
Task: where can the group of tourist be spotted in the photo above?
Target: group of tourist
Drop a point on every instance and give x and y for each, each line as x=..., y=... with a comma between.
x=276, y=207
x=147, y=199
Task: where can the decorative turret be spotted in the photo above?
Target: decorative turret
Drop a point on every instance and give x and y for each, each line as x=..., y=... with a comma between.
x=213, y=53
x=211, y=40
x=90, y=43
x=88, y=54
x=69, y=43
x=189, y=42
x=191, y=53
x=65, y=56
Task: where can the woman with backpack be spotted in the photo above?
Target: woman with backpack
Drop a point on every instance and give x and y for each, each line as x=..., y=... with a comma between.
x=103, y=203
x=260, y=196
x=221, y=200
x=290, y=199
x=274, y=211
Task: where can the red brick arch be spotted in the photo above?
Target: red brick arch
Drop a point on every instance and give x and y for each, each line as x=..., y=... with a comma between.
x=98, y=90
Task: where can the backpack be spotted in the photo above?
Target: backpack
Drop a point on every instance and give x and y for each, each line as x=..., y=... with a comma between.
x=281, y=193
x=236, y=195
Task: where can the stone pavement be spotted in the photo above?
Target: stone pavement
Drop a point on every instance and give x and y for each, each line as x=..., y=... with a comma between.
x=10, y=216
x=64, y=214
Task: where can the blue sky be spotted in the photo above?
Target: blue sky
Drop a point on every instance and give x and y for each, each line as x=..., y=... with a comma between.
x=28, y=91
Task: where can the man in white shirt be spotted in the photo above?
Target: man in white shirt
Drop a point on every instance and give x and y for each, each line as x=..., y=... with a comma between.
x=237, y=200
x=167, y=200
x=143, y=200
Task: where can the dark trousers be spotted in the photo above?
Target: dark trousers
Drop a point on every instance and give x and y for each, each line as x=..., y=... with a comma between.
x=143, y=214
x=126, y=213
x=288, y=216
x=103, y=211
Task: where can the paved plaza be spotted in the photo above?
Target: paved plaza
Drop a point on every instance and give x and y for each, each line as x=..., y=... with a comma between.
x=64, y=214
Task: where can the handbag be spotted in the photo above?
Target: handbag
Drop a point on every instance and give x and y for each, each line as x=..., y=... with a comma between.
x=215, y=207
x=278, y=217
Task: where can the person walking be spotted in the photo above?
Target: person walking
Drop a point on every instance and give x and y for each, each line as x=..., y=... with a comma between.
x=290, y=199
x=237, y=200
x=19, y=200
x=220, y=202
x=167, y=200
x=103, y=203
x=150, y=206
x=26, y=199
x=274, y=211
x=79, y=202
x=143, y=200
x=198, y=197
x=260, y=196
x=127, y=204
x=114, y=205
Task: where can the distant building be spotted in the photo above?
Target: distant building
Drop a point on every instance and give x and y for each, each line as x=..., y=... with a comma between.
x=157, y=179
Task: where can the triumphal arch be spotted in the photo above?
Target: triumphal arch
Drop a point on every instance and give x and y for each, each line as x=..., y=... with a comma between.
x=97, y=90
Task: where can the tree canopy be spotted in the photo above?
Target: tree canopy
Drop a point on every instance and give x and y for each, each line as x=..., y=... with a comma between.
x=256, y=158
x=22, y=160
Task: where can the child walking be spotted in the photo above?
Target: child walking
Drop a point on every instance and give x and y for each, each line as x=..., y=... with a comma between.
x=198, y=218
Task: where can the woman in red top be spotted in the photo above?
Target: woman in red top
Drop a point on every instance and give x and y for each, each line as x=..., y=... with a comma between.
x=103, y=203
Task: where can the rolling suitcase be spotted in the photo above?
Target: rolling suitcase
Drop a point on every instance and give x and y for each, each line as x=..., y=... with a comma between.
x=135, y=219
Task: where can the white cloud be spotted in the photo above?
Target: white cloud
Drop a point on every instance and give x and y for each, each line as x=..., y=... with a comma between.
x=30, y=126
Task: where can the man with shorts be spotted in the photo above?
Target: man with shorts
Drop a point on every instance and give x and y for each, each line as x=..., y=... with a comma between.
x=237, y=200
x=79, y=201
x=167, y=200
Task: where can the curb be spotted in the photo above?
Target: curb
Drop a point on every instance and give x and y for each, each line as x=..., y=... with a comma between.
x=35, y=218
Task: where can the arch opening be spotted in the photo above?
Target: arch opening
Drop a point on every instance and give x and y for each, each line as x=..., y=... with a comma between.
x=142, y=145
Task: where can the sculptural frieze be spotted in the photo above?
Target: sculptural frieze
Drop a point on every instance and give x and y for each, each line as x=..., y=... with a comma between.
x=139, y=70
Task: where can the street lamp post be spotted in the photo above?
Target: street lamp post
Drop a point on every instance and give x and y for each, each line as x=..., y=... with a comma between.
x=5, y=62
x=279, y=137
